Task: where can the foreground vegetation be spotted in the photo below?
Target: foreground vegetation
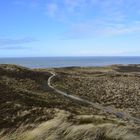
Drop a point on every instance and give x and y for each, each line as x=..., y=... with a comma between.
x=30, y=110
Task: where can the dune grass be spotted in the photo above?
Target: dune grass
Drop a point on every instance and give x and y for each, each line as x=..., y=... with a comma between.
x=29, y=110
x=60, y=129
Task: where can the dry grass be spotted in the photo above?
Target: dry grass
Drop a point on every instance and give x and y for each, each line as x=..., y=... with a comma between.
x=29, y=110
x=60, y=129
x=25, y=99
x=118, y=87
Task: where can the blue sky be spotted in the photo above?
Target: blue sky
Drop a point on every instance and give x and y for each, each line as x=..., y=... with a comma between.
x=30, y=28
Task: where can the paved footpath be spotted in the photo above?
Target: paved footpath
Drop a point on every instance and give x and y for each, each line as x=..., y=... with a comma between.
x=110, y=110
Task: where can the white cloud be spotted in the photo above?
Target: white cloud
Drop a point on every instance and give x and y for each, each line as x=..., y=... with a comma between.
x=101, y=53
x=115, y=9
x=51, y=9
x=75, y=5
x=94, y=17
x=107, y=7
x=101, y=29
x=8, y=41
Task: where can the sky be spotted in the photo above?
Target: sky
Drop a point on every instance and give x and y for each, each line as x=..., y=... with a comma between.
x=44, y=28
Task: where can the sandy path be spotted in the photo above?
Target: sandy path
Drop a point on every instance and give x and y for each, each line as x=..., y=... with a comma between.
x=114, y=111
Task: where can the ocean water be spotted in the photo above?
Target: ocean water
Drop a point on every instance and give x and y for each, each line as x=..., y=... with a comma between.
x=52, y=62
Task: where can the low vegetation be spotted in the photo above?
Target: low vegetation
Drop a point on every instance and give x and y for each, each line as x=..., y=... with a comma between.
x=30, y=110
x=116, y=86
x=60, y=128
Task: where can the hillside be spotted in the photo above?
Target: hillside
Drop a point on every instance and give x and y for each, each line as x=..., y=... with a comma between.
x=116, y=86
x=28, y=105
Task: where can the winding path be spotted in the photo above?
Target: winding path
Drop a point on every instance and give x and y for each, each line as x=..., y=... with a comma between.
x=110, y=110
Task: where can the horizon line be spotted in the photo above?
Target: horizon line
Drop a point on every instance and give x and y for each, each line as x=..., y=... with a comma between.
x=69, y=56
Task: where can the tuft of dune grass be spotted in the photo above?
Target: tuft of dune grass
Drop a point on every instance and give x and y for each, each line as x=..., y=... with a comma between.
x=60, y=129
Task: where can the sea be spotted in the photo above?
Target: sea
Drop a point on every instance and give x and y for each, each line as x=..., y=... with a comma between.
x=56, y=62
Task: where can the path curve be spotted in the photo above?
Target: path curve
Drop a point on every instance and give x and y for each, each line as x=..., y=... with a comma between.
x=110, y=110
